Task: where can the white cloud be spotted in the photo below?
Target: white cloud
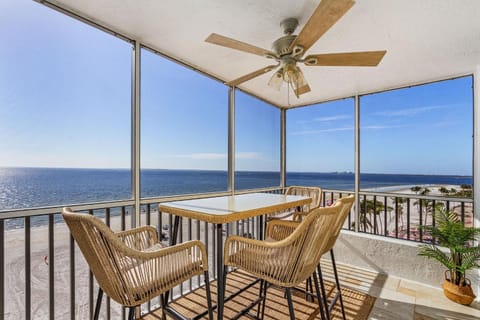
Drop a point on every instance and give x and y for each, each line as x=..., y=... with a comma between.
x=332, y=118
x=305, y=132
x=325, y=119
x=203, y=156
x=247, y=155
x=379, y=127
x=371, y=127
x=409, y=112
x=218, y=156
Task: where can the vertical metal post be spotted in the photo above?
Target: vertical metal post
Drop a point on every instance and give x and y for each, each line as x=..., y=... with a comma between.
x=357, y=162
x=72, y=278
x=135, y=144
x=231, y=140
x=396, y=216
x=91, y=286
x=51, y=267
x=219, y=268
x=2, y=269
x=28, y=268
x=476, y=146
x=476, y=152
x=408, y=218
x=283, y=147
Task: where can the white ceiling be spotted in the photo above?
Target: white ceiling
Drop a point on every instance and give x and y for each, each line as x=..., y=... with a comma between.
x=426, y=40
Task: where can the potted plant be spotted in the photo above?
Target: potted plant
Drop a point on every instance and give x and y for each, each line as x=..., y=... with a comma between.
x=463, y=255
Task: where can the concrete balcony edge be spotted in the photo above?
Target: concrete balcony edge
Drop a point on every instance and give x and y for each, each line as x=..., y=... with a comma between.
x=393, y=257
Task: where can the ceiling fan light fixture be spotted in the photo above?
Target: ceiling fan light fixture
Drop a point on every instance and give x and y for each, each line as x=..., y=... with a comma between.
x=296, y=79
x=277, y=79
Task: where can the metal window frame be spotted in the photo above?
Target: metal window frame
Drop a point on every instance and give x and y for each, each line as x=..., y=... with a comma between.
x=136, y=104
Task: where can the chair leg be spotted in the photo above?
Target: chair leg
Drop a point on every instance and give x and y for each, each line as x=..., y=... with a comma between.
x=263, y=295
x=309, y=290
x=288, y=292
x=163, y=300
x=131, y=313
x=324, y=294
x=321, y=305
x=260, y=291
x=209, y=296
x=220, y=308
x=265, y=287
x=337, y=282
x=98, y=304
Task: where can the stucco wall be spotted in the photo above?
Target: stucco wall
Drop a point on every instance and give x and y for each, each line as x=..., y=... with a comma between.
x=393, y=257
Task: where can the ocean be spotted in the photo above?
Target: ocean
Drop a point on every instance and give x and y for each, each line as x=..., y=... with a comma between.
x=39, y=187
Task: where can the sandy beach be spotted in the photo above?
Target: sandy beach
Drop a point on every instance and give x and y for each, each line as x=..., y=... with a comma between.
x=40, y=261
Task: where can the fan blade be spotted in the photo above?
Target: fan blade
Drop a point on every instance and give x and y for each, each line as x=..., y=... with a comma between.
x=237, y=45
x=251, y=75
x=349, y=59
x=323, y=18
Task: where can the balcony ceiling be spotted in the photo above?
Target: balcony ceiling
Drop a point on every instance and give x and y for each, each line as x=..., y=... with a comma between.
x=425, y=40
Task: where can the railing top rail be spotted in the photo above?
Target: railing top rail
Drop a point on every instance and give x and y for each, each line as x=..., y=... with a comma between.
x=29, y=212
x=20, y=213
x=417, y=196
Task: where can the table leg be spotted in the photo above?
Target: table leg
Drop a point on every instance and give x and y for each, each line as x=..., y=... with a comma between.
x=263, y=226
x=176, y=224
x=220, y=278
x=173, y=241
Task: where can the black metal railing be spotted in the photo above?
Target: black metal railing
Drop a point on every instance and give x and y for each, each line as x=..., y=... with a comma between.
x=400, y=216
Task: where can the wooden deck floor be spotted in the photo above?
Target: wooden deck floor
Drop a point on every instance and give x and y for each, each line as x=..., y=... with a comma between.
x=357, y=304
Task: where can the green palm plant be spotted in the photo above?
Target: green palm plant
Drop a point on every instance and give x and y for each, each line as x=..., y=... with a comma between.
x=451, y=233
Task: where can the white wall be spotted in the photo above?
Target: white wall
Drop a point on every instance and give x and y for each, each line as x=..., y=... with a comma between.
x=391, y=256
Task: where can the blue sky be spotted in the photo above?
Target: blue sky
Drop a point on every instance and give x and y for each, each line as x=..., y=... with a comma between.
x=65, y=102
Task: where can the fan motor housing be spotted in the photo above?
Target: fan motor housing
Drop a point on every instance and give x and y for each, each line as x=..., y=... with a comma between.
x=281, y=46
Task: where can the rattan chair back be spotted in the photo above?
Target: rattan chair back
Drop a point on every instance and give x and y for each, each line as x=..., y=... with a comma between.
x=345, y=208
x=132, y=267
x=315, y=193
x=290, y=261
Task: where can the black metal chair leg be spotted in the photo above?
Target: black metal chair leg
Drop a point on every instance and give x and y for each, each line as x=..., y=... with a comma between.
x=290, y=303
x=324, y=294
x=263, y=297
x=131, y=313
x=334, y=265
x=163, y=304
x=209, y=296
x=309, y=290
x=260, y=291
x=222, y=291
x=98, y=304
x=321, y=305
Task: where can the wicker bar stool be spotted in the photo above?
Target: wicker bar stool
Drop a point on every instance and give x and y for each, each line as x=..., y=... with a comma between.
x=278, y=230
x=132, y=266
x=315, y=193
x=284, y=263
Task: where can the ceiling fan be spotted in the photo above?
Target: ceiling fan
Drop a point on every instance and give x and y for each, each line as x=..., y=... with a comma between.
x=290, y=49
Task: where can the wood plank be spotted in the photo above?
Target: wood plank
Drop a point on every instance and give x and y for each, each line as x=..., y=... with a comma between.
x=357, y=304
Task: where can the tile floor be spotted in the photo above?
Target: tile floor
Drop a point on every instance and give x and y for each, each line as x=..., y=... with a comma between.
x=402, y=299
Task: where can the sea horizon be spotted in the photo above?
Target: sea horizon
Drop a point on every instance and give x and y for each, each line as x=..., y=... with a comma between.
x=222, y=170
x=34, y=187
x=26, y=187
